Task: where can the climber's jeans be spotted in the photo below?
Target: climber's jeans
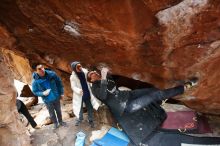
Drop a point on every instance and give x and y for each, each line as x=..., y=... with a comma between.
x=55, y=109
x=141, y=98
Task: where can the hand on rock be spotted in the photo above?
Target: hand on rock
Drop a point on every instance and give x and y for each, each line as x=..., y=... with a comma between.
x=61, y=97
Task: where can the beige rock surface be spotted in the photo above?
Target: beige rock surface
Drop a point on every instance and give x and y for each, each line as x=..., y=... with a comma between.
x=159, y=42
x=12, y=132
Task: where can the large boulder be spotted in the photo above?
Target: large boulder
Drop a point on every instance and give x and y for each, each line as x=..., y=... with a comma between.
x=12, y=131
x=159, y=42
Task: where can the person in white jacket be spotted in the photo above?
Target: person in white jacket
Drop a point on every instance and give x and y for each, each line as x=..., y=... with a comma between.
x=82, y=94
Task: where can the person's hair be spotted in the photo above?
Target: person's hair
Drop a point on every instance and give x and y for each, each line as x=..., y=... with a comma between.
x=34, y=65
x=88, y=77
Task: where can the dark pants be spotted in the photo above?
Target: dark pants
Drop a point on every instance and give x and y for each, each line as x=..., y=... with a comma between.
x=89, y=110
x=23, y=109
x=171, y=138
x=54, y=109
x=141, y=98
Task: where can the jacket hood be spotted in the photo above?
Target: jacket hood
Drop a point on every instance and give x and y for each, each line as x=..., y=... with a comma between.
x=73, y=65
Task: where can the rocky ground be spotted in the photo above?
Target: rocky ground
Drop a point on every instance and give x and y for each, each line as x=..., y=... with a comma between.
x=63, y=136
x=66, y=136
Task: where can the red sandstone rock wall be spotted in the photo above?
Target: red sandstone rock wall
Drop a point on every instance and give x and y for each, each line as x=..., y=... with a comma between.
x=12, y=131
x=160, y=42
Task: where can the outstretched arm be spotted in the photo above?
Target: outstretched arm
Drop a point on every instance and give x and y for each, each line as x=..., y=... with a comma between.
x=103, y=89
x=104, y=83
x=36, y=90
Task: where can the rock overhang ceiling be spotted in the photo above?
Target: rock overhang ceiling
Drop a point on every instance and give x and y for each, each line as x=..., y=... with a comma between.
x=159, y=42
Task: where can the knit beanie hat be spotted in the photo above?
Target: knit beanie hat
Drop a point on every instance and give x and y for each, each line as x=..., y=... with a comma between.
x=73, y=65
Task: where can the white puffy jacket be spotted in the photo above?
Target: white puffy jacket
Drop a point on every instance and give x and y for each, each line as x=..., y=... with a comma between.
x=77, y=97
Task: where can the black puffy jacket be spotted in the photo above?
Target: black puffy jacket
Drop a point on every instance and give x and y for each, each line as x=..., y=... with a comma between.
x=137, y=125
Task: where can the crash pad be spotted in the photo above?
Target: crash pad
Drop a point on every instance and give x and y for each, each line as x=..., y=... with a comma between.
x=187, y=122
x=113, y=137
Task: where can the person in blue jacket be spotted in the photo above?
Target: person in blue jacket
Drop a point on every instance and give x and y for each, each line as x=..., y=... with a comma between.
x=48, y=85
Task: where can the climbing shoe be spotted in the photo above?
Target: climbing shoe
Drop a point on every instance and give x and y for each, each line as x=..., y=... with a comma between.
x=55, y=126
x=63, y=124
x=77, y=122
x=191, y=83
x=37, y=127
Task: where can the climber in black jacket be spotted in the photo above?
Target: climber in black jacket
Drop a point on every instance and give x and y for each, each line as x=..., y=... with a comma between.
x=138, y=111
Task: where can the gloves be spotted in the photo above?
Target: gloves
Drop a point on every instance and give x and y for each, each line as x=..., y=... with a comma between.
x=46, y=92
x=104, y=72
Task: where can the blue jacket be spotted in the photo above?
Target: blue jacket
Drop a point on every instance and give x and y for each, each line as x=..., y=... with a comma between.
x=49, y=81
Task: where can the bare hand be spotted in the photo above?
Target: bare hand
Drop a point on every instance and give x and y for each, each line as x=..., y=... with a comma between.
x=81, y=92
x=104, y=72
